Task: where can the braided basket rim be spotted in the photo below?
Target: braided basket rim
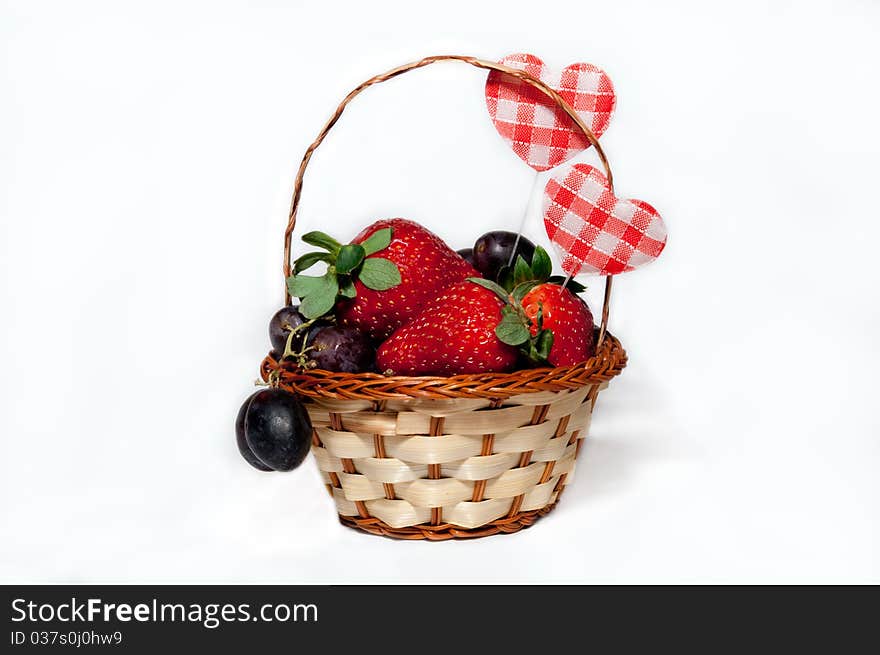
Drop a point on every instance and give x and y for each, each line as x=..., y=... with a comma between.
x=609, y=360
x=447, y=531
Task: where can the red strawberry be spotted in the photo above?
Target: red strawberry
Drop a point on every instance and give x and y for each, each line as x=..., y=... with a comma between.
x=567, y=317
x=427, y=266
x=455, y=333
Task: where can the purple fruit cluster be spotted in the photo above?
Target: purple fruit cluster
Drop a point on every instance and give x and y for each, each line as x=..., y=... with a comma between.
x=320, y=344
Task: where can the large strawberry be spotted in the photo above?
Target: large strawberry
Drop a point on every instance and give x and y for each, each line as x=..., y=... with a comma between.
x=379, y=281
x=455, y=333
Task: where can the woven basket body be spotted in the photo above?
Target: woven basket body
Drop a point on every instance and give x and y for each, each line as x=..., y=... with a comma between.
x=439, y=458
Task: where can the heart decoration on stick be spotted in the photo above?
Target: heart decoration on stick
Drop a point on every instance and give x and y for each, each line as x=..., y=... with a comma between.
x=537, y=129
x=595, y=231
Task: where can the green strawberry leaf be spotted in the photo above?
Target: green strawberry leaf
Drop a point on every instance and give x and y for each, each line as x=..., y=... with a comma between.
x=543, y=343
x=321, y=297
x=304, y=285
x=310, y=259
x=379, y=274
x=520, y=290
x=349, y=258
x=541, y=264
x=378, y=240
x=511, y=329
x=505, y=277
x=491, y=286
x=316, y=306
x=321, y=240
x=346, y=287
x=521, y=270
x=535, y=358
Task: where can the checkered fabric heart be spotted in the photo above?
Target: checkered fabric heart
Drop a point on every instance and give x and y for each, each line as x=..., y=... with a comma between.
x=539, y=131
x=596, y=232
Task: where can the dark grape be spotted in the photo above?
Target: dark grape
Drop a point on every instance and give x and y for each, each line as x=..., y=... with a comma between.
x=314, y=329
x=241, y=440
x=496, y=249
x=341, y=349
x=468, y=255
x=277, y=429
x=285, y=320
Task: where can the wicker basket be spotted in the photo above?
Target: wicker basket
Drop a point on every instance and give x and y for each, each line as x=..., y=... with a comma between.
x=447, y=457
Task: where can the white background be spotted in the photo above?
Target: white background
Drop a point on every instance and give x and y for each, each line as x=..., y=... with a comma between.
x=147, y=152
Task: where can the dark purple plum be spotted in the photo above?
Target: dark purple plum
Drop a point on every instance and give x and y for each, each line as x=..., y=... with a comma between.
x=342, y=349
x=277, y=429
x=285, y=319
x=468, y=255
x=241, y=440
x=496, y=249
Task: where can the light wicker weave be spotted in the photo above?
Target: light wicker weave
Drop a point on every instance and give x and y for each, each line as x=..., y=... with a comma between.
x=447, y=457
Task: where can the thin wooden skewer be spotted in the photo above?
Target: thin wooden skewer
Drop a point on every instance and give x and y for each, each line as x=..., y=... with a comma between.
x=605, y=309
x=525, y=216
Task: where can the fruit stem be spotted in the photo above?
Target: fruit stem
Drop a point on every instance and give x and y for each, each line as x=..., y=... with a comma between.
x=299, y=355
x=288, y=345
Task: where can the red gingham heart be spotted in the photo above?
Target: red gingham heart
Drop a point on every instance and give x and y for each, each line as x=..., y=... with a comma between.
x=539, y=131
x=595, y=231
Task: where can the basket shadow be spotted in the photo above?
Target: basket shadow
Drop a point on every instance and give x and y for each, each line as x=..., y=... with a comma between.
x=605, y=467
x=620, y=444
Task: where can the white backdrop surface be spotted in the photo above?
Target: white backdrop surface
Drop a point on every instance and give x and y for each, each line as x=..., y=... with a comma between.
x=147, y=159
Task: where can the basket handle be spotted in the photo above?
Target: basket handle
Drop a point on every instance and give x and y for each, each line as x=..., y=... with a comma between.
x=394, y=72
